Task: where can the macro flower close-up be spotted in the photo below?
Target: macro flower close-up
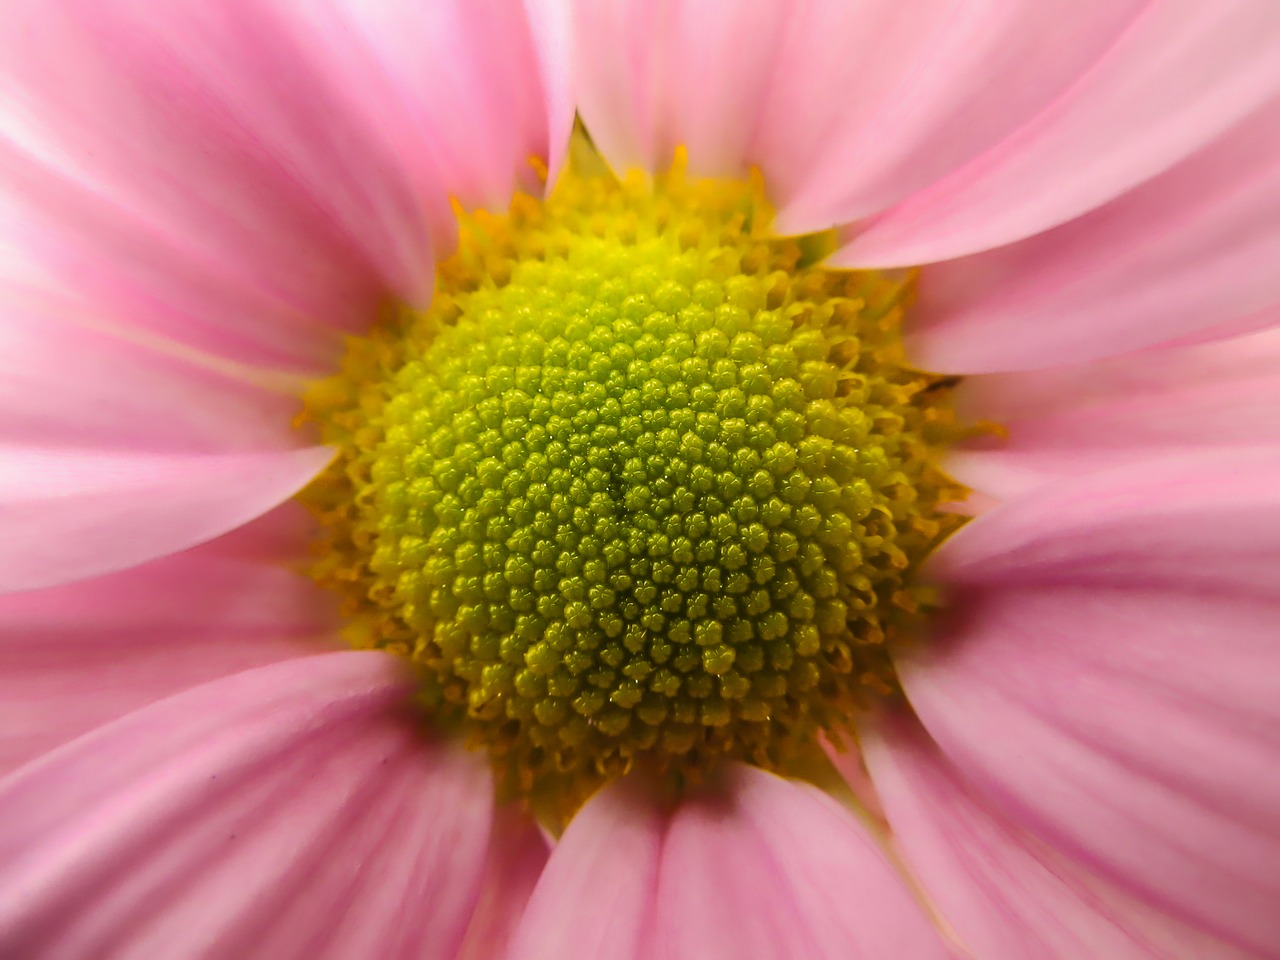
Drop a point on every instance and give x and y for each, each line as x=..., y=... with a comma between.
x=640, y=479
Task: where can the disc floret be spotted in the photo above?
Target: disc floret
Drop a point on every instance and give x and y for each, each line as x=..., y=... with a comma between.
x=643, y=485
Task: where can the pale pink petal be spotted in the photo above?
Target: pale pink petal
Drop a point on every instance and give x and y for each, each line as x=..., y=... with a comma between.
x=65, y=382
x=1073, y=420
x=850, y=765
x=1007, y=894
x=114, y=451
x=778, y=869
x=595, y=898
x=871, y=102
x=518, y=853
x=551, y=28
x=1211, y=522
x=652, y=76
x=256, y=192
x=75, y=657
x=1110, y=679
x=466, y=94
x=294, y=811
x=1239, y=327
x=76, y=513
x=1183, y=74
x=756, y=868
x=1188, y=251
x=846, y=107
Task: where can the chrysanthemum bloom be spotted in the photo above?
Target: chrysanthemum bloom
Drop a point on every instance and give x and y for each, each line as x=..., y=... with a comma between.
x=825, y=506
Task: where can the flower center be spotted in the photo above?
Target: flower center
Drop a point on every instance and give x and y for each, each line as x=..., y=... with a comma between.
x=643, y=485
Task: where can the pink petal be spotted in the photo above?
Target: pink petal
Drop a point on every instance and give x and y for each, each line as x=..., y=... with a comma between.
x=257, y=192
x=292, y=811
x=845, y=107
x=66, y=382
x=872, y=102
x=1189, y=251
x=652, y=76
x=1185, y=73
x=551, y=29
x=75, y=657
x=758, y=868
x=1151, y=523
x=1073, y=420
x=1239, y=327
x=1111, y=679
x=594, y=900
x=1008, y=895
x=850, y=765
x=517, y=855
x=72, y=514
x=115, y=451
x=471, y=93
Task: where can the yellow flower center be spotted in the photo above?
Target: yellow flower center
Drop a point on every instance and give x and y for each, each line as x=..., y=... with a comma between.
x=644, y=485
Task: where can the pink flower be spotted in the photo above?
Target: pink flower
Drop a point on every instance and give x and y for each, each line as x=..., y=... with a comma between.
x=200, y=198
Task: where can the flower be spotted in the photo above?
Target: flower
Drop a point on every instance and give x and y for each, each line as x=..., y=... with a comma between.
x=206, y=203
